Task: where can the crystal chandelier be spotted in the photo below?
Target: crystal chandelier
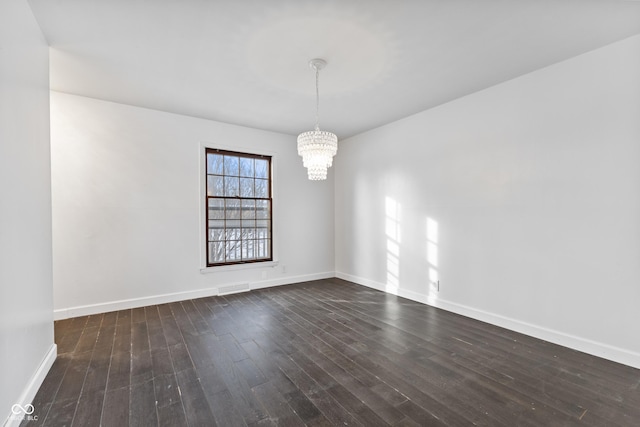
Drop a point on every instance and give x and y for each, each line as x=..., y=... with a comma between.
x=317, y=147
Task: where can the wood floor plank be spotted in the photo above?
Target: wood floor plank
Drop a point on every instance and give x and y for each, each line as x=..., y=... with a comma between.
x=234, y=381
x=139, y=338
x=61, y=412
x=306, y=409
x=199, y=324
x=314, y=406
x=74, y=376
x=142, y=405
x=88, y=339
x=51, y=384
x=166, y=390
x=89, y=409
x=224, y=409
x=157, y=339
x=122, y=338
x=124, y=318
x=115, y=411
x=172, y=415
x=202, y=349
x=138, y=315
x=171, y=331
x=235, y=352
x=252, y=375
x=364, y=414
x=332, y=410
x=279, y=410
x=346, y=373
x=152, y=314
x=119, y=370
x=69, y=340
x=97, y=372
x=419, y=416
x=180, y=358
x=503, y=404
x=104, y=341
x=320, y=353
x=141, y=367
x=182, y=320
x=196, y=407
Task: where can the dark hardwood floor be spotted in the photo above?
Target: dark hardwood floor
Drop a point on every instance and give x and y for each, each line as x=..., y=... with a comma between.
x=321, y=353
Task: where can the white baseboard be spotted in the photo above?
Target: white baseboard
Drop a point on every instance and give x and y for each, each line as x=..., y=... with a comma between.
x=606, y=351
x=293, y=279
x=29, y=392
x=227, y=288
x=104, y=307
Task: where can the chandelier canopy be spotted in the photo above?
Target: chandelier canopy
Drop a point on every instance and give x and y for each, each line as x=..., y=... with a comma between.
x=317, y=147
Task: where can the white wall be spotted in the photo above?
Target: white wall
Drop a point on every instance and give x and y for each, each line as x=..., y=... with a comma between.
x=534, y=188
x=127, y=205
x=26, y=315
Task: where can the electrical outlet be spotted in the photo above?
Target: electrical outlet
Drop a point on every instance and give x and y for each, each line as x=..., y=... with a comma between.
x=284, y=268
x=264, y=274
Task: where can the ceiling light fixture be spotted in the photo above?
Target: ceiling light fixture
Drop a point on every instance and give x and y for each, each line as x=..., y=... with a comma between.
x=317, y=147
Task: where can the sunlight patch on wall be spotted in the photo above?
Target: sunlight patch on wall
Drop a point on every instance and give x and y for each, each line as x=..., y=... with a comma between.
x=432, y=259
x=392, y=231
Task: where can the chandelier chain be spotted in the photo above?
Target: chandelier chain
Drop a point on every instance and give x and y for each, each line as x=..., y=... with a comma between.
x=317, y=98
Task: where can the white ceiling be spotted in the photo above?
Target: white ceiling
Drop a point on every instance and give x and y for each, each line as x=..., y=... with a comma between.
x=246, y=61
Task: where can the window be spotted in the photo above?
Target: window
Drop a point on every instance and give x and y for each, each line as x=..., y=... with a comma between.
x=238, y=208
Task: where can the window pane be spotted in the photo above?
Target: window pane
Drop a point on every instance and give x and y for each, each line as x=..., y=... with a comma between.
x=263, y=228
x=232, y=229
x=262, y=248
x=248, y=209
x=214, y=164
x=262, y=168
x=231, y=165
x=267, y=249
x=216, y=224
x=231, y=186
x=262, y=209
x=247, y=249
x=233, y=208
x=216, y=209
x=246, y=167
x=262, y=188
x=216, y=234
x=246, y=187
x=216, y=252
x=248, y=233
x=215, y=185
x=233, y=251
x=232, y=233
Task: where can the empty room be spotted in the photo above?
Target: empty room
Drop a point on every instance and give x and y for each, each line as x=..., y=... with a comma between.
x=305, y=212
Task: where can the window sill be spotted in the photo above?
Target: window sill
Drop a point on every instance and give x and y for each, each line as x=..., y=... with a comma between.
x=235, y=267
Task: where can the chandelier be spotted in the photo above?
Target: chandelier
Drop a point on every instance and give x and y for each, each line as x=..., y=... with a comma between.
x=317, y=147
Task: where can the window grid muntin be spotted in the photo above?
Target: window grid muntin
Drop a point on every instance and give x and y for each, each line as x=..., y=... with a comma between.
x=238, y=243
